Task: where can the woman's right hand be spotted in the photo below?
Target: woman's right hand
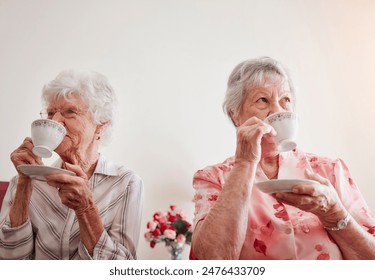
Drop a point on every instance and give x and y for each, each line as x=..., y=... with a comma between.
x=249, y=139
x=24, y=155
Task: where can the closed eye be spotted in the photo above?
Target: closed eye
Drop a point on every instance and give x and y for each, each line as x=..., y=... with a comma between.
x=70, y=111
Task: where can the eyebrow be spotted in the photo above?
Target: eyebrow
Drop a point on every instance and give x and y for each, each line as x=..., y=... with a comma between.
x=64, y=107
x=257, y=93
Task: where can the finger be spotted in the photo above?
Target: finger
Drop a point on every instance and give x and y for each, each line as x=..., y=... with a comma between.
x=317, y=177
x=64, y=179
x=272, y=130
x=26, y=149
x=294, y=199
x=262, y=130
x=76, y=169
x=311, y=190
x=251, y=121
x=33, y=159
x=55, y=184
x=25, y=157
x=27, y=142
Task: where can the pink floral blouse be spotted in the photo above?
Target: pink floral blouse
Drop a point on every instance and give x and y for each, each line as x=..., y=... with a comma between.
x=279, y=231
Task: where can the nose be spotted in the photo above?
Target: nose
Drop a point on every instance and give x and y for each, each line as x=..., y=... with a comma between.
x=57, y=117
x=276, y=108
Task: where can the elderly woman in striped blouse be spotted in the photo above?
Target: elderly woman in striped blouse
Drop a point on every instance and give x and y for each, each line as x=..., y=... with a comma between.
x=93, y=214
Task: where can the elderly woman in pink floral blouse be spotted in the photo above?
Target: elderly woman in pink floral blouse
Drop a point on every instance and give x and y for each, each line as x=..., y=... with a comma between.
x=235, y=220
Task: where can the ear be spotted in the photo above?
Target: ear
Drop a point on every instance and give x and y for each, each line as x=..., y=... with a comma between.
x=100, y=128
x=234, y=118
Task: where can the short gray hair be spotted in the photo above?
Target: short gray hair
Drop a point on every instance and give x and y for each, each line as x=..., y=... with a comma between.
x=251, y=73
x=93, y=88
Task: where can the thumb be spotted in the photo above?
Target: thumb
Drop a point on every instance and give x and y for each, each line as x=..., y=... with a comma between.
x=316, y=177
x=272, y=131
x=76, y=169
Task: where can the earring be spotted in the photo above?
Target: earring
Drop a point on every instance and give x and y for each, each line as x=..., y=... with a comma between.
x=98, y=138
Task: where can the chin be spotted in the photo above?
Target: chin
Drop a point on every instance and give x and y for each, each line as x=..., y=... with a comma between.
x=268, y=154
x=61, y=149
x=269, y=150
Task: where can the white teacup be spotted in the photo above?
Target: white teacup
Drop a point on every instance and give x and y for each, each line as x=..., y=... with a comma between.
x=47, y=136
x=286, y=126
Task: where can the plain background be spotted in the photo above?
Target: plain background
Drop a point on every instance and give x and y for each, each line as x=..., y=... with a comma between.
x=169, y=62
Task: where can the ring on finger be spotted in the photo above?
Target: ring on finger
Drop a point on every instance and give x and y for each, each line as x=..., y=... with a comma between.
x=59, y=188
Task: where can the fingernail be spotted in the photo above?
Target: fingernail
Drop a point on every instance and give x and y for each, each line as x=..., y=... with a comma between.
x=279, y=195
x=295, y=190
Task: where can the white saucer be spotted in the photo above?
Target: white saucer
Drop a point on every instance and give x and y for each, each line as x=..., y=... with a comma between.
x=38, y=172
x=283, y=185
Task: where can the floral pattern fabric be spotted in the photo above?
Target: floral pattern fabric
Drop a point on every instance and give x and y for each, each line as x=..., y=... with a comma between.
x=280, y=231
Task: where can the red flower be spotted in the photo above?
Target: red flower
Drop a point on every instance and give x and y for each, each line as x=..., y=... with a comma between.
x=166, y=226
x=171, y=227
x=159, y=217
x=156, y=232
x=171, y=218
x=156, y=216
x=260, y=246
x=163, y=227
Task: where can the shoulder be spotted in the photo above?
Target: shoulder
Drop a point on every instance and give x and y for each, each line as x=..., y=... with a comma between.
x=115, y=174
x=326, y=166
x=129, y=175
x=109, y=168
x=317, y=159
x=322, y=161
x=214, y=174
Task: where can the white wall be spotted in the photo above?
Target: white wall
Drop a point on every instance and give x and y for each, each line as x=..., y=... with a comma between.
x=169, y=62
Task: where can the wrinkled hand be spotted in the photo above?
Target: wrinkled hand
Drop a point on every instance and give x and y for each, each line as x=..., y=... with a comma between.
x=74, y=191
x=249, y=138
x=24, y=155
x=320, y=199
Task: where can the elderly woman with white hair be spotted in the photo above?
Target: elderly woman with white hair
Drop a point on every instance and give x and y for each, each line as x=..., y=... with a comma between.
x=235, y=220
x=93, y=214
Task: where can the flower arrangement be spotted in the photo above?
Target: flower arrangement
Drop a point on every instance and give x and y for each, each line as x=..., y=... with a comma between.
x=171, y=227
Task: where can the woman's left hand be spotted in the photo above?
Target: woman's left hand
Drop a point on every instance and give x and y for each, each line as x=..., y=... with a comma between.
x=74, y=191
x=320, y=199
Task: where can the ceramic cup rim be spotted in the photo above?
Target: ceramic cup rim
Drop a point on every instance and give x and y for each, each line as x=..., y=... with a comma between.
x=288, y=113
x=46, y=120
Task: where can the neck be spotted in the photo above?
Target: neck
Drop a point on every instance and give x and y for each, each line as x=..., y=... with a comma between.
x=270, y=166
x=87, y=161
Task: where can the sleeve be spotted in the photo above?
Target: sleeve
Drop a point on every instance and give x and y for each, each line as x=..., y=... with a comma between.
x=15, y=243
x=208, y=185
x=120, y=241
x=352, y=198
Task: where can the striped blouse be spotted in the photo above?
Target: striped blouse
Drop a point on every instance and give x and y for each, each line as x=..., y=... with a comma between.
x=52, y=230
